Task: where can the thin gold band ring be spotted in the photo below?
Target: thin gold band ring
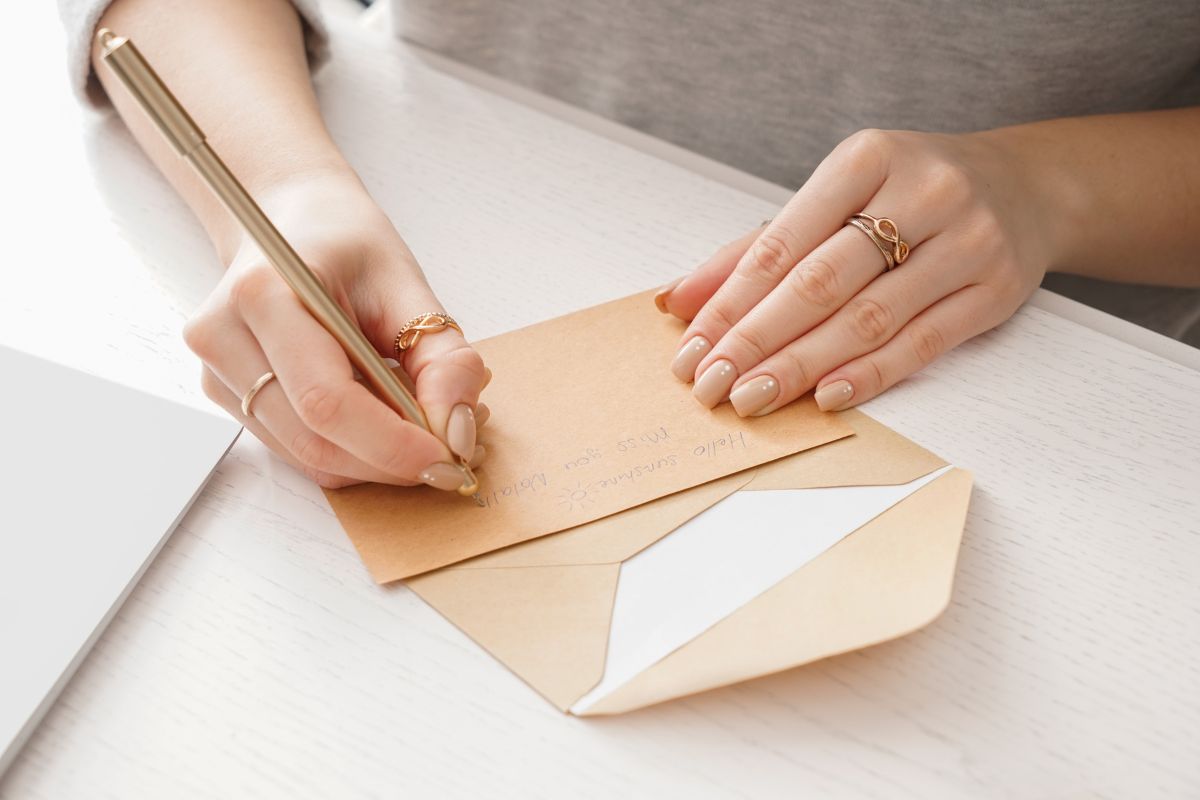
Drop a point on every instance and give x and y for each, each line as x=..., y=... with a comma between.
x=253, y=391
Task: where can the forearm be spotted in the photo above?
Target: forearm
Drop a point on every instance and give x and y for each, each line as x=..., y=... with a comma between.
x=1120, y=193
x=241, y=71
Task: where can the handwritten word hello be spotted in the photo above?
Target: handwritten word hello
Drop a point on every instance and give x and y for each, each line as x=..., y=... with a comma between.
x=726, y=443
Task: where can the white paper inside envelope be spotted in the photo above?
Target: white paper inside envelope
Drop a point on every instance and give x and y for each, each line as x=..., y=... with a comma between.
x=714, y=564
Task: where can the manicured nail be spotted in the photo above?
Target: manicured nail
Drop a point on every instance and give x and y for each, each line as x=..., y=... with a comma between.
x=713, y=386
x=834, y=396
x=753, y=396
x=660, y=299
x=482, y=413
x=689, y=357
x=460, y=431
x=487, y=378
x=477, y=457
x=441, y=475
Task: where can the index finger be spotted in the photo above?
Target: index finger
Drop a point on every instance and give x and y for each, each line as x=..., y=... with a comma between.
x=842, y=185
x=319, y=382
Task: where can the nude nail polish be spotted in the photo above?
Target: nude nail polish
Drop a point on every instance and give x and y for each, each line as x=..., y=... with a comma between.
x=441, y=475
x=689, y=357
x=477, y=457
x=754, y=395
x=482, y=413
x=660, y=298
x=713, y=386
x=460, y=431
x=834, y=396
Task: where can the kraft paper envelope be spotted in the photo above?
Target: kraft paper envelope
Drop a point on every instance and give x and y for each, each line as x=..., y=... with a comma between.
x=587, y=421
x=552, y=610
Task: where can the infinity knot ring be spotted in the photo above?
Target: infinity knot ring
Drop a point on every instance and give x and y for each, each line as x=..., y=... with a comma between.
x=418, y=326
x=886, y=236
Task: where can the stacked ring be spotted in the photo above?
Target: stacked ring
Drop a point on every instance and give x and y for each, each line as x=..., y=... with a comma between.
x=886, y=236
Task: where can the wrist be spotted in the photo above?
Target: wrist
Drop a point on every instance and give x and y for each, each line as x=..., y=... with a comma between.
x=303, y=191
x=1052, y=198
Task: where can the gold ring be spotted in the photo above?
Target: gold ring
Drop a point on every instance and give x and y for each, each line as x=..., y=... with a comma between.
x=421, y=324
x=248, y=397
x=883, y=248
x=886, y=236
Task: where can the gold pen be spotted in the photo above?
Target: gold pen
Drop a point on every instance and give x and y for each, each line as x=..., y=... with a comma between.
x=188, y=140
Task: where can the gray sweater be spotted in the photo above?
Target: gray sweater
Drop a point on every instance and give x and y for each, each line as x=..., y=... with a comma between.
x=770, y=86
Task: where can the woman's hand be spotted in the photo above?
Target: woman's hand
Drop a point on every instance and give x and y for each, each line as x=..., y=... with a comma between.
x=805, y=302
x=314, y=414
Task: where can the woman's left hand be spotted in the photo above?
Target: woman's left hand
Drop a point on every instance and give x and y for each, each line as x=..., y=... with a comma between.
x=805, y=302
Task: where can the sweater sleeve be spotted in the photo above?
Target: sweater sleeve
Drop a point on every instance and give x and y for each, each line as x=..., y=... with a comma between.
x=80, y=18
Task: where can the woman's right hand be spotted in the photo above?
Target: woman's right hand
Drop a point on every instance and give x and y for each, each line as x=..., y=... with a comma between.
x=315, y=414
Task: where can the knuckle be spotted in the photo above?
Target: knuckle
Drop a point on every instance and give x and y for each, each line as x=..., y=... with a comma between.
x=318, y=406
x=868, y=149
x=794, y=372
x=719, y=318
x=927, y=343
x=463, y=365
x=815, y=282
x=772, y=254
x=750, y=343
x=868, y=139
x=871, y=321
x=876, y=383
x=200, y=335
x=253, y=287
x=948, y=184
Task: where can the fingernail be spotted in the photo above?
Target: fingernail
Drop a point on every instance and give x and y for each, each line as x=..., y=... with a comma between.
x=477, y=457
x=660, y=299
x=712, y=387
x=487, y=378
x=689, y=357
x=755, y=395
x=441, y=475
x=460, y=431
x=834, y=396
x=482, y=413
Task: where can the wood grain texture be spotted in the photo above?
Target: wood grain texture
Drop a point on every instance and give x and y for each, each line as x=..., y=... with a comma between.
x=257, y=658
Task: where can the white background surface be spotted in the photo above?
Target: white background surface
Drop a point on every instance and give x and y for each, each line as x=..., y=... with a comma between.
x=77, y=450
x=256, y=658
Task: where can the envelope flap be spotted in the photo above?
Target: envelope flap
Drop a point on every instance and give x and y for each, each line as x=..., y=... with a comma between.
x=887, y=579
x=875, y=456
x=615, y=538
x=549, y=625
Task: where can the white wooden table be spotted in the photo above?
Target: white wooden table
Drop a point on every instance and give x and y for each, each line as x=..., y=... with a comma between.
x=256, y=657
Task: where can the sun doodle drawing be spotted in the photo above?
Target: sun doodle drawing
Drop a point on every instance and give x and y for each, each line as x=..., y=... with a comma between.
x=577, y=497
